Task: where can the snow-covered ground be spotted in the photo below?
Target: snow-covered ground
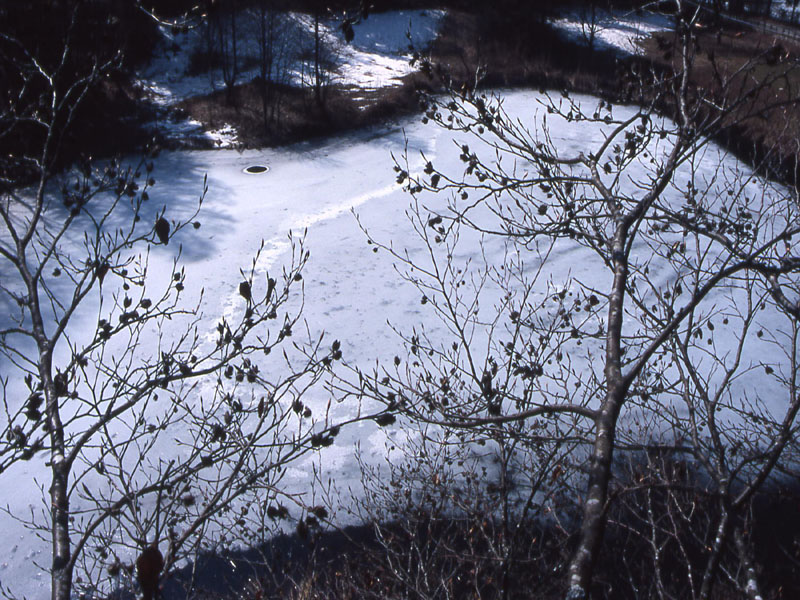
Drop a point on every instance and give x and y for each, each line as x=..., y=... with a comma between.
x=352, y=293
x=786, y=10
x=377, y=57
x=622, y=31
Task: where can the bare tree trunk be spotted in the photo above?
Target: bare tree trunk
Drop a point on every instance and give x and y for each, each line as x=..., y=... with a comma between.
x=61, y=574
x=720, y=539
x=228, y=47
x=317, y=70
x=593, y=525
x=590, y=24
x=751, y=580
x=266, y=35
x=235, y=57
x=61, y=566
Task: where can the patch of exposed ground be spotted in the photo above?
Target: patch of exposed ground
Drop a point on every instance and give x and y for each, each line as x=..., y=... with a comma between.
x=761, y=74
x=297, y=115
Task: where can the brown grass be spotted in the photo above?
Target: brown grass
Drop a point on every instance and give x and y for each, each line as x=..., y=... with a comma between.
x=761, y=77
x=353, y=563
x=298, y=117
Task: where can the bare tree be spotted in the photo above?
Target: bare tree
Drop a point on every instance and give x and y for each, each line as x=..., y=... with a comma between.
x=463, y=514
x=222, y=41
x=589, y=22
x=318, y=69
x=274, y=43
x=160, y=430
x=317, y=55
x=677, y=244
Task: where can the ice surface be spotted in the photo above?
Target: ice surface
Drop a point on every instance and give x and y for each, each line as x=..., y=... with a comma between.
x=352, y=293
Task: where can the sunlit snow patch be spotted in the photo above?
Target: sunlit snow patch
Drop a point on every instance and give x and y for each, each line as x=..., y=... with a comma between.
x=380, y=52
x=190, y=132
x=377, y=56
x=613, y=30
x=224, y=137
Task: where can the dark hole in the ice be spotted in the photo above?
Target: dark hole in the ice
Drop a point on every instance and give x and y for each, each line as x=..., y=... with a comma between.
x=256, y=169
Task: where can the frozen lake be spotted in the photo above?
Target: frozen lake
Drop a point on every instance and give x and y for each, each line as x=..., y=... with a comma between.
x=351, y=293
